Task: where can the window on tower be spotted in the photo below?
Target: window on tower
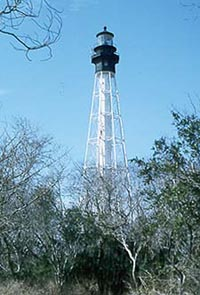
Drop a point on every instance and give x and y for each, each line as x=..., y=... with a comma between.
x=105, y=39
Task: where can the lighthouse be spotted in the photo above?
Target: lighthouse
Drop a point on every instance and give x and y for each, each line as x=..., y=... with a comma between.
x=105, y=149
x=106, y=182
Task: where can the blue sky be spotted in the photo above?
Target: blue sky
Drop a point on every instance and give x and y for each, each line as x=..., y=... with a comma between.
x=158, y=42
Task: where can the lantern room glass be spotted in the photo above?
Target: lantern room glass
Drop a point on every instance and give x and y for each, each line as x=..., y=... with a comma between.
x=105, y=39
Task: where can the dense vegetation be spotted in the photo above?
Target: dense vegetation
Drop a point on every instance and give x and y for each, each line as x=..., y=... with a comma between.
x=150, y=246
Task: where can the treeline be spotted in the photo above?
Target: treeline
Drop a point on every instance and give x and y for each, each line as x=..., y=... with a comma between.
x=147, y=244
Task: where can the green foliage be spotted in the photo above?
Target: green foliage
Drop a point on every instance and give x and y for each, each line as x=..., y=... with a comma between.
x=99, y=257
x=171, y=200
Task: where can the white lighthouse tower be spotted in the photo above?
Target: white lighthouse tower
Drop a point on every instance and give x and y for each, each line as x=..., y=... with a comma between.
x=107, y=185
x=105, y=149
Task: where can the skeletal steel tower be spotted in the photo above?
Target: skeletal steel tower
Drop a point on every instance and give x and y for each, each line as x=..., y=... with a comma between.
x=105, y=150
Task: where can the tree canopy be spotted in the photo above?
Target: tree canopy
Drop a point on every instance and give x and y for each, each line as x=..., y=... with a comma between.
x=154, y=250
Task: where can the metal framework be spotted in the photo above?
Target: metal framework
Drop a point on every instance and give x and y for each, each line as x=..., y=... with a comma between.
x=105, y=149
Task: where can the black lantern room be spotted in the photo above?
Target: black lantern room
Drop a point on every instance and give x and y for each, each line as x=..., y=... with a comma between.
x=105, y=57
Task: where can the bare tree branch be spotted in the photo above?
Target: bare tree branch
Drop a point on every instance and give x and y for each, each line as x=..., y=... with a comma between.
x=32, y=25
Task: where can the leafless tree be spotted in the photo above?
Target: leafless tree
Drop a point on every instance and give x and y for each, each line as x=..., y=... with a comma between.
x=33, y=25
x=31, y=175
x=26, y=161
x=110, y=198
